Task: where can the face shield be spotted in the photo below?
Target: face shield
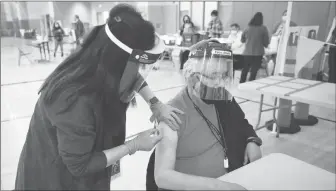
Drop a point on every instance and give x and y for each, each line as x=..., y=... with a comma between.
x=209, y=72
x=133, y=78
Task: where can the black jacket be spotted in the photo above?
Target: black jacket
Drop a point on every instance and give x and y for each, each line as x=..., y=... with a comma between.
x=236, y=131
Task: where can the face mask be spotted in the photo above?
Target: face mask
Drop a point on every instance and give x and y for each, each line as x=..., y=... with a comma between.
x=234, y=32
x=132, y=79
x=209, y=72
x=284, y=18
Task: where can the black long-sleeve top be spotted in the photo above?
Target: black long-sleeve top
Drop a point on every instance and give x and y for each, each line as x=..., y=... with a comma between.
x=63, y=150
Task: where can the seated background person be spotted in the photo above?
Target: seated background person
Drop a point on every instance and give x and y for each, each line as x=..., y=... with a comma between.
x=187, y=27
x=214, y=137
x=237, y=47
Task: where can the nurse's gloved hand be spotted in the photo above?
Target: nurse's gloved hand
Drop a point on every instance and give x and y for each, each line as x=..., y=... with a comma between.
x=145, y=141
x=167, y=114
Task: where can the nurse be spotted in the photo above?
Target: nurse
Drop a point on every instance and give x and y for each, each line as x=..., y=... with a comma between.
x=77, y=130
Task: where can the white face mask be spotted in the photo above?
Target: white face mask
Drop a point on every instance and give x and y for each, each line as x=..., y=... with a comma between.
x=234, y=32
x=284, y=18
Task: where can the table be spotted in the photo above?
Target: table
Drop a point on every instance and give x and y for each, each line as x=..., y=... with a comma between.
x=301, y=90
x=281, y=172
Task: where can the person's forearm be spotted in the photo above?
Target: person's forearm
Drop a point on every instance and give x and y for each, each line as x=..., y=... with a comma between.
x=174, y=180
x=146, y=93
x=115, y=154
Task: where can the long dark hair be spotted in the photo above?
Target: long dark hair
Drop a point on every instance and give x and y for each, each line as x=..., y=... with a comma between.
x=190, y=22
x=54, y=25
x=257, y=20
x=96, y=67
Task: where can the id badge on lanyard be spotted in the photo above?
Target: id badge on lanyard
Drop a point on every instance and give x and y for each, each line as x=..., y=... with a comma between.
x=226, y=162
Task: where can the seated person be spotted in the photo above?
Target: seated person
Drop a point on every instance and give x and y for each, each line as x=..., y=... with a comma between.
x=237, y=47
x=187, y=28
x=214, y=137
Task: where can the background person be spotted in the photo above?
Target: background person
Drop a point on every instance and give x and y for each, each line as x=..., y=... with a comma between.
x=215, y=26
x=277, y=31
x=237, y=47
x=332, y=55
x=256, y=39
x=187, y=27
x=79, y=30
x=77, y=130
x=58, y=35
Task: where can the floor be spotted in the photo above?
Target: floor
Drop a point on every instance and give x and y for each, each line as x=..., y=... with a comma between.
x=19, y=87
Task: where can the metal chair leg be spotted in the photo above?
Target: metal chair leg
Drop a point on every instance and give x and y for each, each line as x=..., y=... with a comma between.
x=274, y=118
x=260, y=110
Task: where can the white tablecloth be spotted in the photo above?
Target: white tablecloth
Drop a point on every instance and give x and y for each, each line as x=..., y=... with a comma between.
x=281, y=172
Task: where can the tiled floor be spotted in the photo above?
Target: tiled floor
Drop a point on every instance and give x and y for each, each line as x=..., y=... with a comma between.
x=19, y=87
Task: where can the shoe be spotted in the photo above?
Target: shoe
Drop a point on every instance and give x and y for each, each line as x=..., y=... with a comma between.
x=62, y=54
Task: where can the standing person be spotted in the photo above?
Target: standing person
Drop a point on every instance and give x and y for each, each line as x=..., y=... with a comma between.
x=58, y=35
x=256, y=39
x=79, y=30
x=187, y=26
x=215, y=26
x=237, y=47
x=332, y=53
x=77, y=130
x=277, y=31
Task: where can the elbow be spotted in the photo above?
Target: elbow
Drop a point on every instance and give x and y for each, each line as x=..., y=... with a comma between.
x=77, y=170
x=161, y=179
x=77, y=165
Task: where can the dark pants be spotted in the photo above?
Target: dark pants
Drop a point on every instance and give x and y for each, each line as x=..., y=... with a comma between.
x=251, y=64
x=184, y=57
x=238, y=63
x=332, y=65
x=273, y=57
x=58, y=44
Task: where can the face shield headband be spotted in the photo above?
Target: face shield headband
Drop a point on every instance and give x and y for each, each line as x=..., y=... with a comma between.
x=209, y=72
x=133, y=78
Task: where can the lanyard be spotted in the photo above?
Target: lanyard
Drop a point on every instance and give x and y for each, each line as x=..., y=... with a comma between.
x=217, y=132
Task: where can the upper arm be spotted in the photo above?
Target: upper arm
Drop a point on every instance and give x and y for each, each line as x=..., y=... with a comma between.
x=247, y=127
x=220, y=26
x=266, y=37
x=165, y=152
x=209, y=26
x=276, y=27
x=243, y=37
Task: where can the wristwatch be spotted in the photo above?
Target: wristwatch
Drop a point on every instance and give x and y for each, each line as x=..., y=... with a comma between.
x=153, y=100
x=255, y=140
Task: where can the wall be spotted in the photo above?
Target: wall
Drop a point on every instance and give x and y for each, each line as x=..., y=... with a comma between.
x=304, y=13
x=197, y=14
x=242, y=12
x=170, y=22
x=100, y=7
x=156, y=16
x=65, y=12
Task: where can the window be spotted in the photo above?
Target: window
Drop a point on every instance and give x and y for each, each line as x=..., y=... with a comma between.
x=209, y=7
x=197, y=14
x=185, y=9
